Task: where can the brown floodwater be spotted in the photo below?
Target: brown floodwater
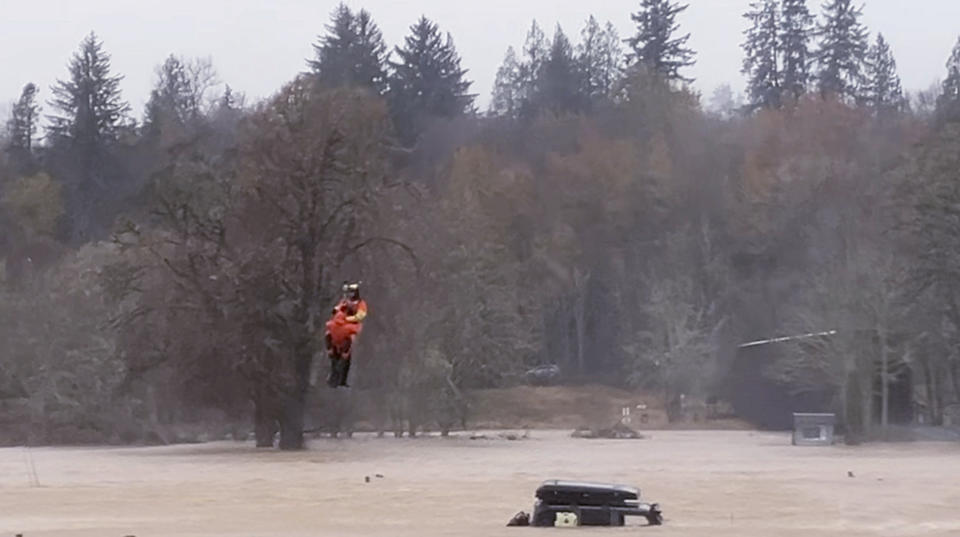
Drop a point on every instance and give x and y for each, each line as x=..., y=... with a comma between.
x=732, y=484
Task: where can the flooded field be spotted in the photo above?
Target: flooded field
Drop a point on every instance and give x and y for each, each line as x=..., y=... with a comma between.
x=709, y=483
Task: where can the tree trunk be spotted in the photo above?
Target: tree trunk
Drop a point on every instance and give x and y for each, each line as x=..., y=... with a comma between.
x=580, y=318
x=291, y=424
x=581, y=329
x=264, y=422
x=295, y=404
x=928, y=387
x=884, y=384
x=867, y=373
x=853, y=410
x=929, y=383
x=937, y=403
x=955, y=379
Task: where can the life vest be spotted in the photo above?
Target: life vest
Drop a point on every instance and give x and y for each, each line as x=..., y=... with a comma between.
x=356, y=310
x=347, y=321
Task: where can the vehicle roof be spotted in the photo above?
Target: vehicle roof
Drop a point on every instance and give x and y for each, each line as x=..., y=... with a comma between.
x=560, y=483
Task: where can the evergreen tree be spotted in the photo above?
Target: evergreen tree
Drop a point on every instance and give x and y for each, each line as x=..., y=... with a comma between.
x=883, y=91
x=614, y=60
x=179, y=92
x=229, y=100
x=559, y=82
x=85, y=135
x=333, y=54
x=555, y=76
x=227, y=113
x=352, y=53
x=843, y=50
x=535, y=51
x=796, y=29
x=230, y=103
x=91, y=109
x=723, y=103
x=948, y=104
x=655, y=46
x=535, y=54
x=507, y=88
x=427, y=80
x=762, y=61
x=371, y=53
x=22, y=125
x=600, y=59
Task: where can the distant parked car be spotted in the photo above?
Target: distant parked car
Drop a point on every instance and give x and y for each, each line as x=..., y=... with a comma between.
x=544, y=375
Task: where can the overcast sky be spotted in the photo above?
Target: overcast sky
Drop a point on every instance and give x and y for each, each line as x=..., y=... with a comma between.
x=256, y=45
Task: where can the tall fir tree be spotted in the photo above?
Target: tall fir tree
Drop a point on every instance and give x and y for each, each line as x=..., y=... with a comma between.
x=178, y=94
x=227, y=112
x=559, y=81
x=91, y=110
x=557, y=76
x=23, y=122
x=371, y=53
x=535, y=51
x=229, y=100
x=796, y=30
x=507, y=95
x=948, y=103
x=600, y=58
x=762, y=47
x=333, y=53
x=352, y=53
x=427, y=80
x=655, y=46
x=841, y=56
x=85, y=134
x=883, y=91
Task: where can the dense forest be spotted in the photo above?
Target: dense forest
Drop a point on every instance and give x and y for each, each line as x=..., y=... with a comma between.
x=157, y=264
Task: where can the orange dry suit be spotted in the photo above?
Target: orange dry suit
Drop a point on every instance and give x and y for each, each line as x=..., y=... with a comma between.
x=345, y=325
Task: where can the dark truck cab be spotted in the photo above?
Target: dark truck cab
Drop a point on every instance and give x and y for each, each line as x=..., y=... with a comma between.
x=594, y=504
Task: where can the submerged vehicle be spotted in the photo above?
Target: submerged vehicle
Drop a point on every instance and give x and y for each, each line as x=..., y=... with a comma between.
x=590, y=504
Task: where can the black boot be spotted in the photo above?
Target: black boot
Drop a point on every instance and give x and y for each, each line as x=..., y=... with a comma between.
x=333, y=379
x=345, y=368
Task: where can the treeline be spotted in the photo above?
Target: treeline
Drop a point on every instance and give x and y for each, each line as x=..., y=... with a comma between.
x=595, y=217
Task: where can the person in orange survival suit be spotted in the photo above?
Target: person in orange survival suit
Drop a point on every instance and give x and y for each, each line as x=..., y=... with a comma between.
x=342, y=331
